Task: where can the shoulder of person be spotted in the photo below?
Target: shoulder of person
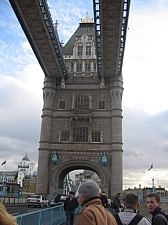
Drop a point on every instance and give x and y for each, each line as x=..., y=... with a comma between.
x=146, y=220
x=161, y=216
x=86, y=209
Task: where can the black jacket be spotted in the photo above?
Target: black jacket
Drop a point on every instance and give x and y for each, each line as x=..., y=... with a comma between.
x=70, y=204
x=158, y=217
x=116, y=201
x=104, y=200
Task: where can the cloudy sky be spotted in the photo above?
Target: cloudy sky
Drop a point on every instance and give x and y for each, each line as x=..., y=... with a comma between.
x=145, y=76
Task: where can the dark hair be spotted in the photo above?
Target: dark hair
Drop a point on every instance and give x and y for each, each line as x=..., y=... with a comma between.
x=131, y=200
x=156, y=196
x=71, y=192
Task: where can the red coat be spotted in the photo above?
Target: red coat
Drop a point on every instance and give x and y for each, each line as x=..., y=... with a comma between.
x=93, y=213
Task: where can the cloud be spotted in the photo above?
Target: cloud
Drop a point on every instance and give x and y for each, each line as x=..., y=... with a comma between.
x=145, y=60
x=144, y=143
x=21, y=104
x=14, y=149
x=68, y=15
x=165, y=148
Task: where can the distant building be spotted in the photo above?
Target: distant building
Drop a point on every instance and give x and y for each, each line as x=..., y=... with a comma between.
x=135, y=190
x=26, y=170
x=67, y=184
x=29, y=186
x=86, y=175
x=160, y=191
x=8, y=176
x=143, y=192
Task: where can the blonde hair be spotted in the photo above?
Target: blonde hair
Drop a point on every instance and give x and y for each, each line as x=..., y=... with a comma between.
x=5, y=217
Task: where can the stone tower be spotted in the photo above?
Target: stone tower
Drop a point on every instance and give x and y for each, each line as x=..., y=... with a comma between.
x=82, y=119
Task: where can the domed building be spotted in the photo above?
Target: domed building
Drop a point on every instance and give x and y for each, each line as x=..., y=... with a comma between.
x=26, y=170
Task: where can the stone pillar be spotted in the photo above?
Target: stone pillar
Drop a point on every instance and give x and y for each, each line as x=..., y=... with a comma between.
x=116, y=91
x=44, y=147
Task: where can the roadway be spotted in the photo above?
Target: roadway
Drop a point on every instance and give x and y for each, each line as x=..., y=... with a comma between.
x=18, y=210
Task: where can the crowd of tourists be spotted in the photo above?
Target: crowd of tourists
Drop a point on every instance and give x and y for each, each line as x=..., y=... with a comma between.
x=95, y=209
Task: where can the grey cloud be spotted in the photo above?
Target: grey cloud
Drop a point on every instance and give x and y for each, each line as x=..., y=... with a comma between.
x=165, y=148
x=143, y=139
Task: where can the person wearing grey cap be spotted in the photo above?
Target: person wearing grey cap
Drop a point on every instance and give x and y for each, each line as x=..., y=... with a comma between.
x=92, y=213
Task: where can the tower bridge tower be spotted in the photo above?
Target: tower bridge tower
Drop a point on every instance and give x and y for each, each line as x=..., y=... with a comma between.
x=81, y=120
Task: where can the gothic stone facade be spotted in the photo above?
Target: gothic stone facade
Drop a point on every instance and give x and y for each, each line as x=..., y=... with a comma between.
x=81, y=120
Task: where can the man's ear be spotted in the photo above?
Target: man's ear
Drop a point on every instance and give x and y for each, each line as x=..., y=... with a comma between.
x=138, y=204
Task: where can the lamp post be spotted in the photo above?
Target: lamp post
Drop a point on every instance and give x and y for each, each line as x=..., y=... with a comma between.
x=153, y=186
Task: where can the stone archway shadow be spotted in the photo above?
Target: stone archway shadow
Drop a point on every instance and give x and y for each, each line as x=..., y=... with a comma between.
x=62, y=170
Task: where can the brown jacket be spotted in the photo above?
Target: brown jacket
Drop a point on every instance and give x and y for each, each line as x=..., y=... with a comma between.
x=93, y=213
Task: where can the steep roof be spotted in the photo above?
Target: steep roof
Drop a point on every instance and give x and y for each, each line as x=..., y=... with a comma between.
x=84, y=27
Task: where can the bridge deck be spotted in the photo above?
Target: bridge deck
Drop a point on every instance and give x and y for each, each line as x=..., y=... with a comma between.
x=37, y=24
x=111, y=23
x=36, y=21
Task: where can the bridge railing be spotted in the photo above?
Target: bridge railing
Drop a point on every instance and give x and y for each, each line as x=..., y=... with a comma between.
x=49, y=216
x=8, y=200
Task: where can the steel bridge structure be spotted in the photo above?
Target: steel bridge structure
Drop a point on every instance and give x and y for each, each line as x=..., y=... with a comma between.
x=111, y=18
x=102, y=89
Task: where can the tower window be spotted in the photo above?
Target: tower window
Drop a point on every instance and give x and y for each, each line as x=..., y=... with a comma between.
x=80, y=50
x=95, y=136
x=95, y=67
x=72, y=67
x=82, y=102
x=80, y=134
x=87, y=67
x=79, y=67
x=102, y=104
x=65, y=135
x=61, y=104
x=88, y=50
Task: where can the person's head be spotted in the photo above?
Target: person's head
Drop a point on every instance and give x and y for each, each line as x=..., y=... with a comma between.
x=103, y=193
x=5, y=217
x=71, y=194
x=131, y=201
x=88, y=189
x=118, y=194
x=153, y=201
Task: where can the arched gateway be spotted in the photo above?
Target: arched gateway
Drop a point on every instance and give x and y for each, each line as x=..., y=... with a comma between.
x=82, y=119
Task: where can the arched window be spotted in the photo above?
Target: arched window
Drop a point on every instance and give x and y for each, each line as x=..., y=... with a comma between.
x=80, y=50
x=65, y=135
x=95, y=67
x=62, y=104
x=80, y=134
x=102, y=104
x=95, y=136
x=72, y=67
x=82, y=102
x=88, y=50
x=79, y=67
x=87, y=67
